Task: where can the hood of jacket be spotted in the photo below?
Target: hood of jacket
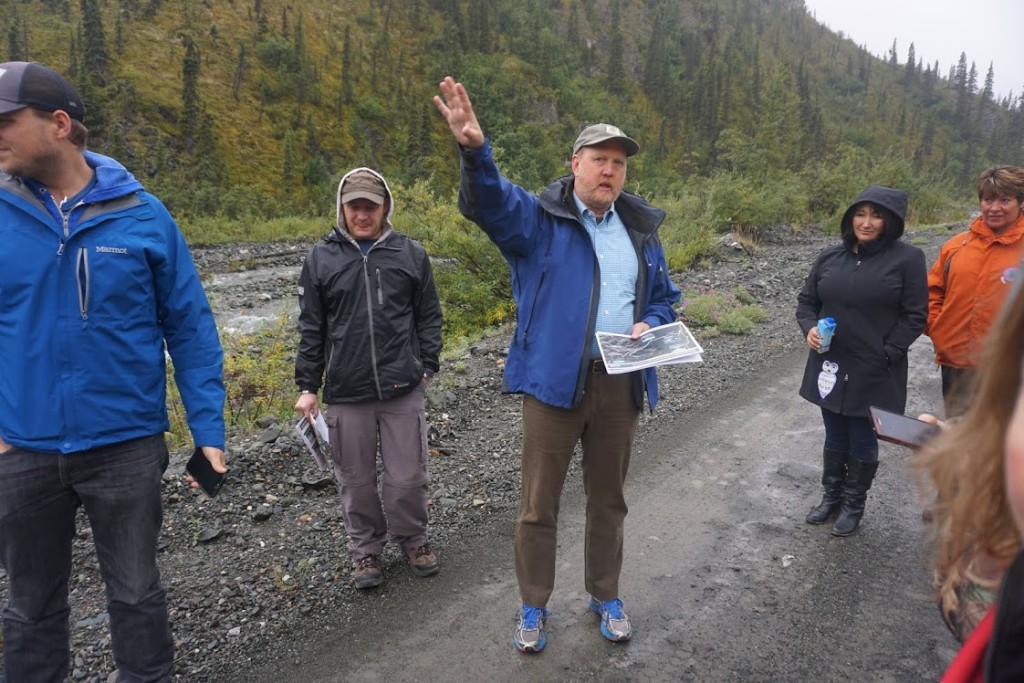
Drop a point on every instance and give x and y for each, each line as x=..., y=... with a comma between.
x=892, y=202
x=112, y=179
x=340, y=222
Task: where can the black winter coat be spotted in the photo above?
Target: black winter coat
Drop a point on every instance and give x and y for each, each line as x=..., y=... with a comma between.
x=370, y=326
x=879, y=298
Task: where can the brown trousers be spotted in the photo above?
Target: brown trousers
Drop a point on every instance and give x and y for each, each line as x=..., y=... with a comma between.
x=604, y=424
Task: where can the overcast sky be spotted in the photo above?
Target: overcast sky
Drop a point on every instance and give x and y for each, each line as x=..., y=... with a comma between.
x=989, y=32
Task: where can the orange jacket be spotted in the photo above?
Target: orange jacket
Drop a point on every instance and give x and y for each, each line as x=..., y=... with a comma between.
x=967, y=285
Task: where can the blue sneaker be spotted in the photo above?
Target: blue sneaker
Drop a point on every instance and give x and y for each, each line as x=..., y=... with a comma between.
x=529, y=635
x=614, y=622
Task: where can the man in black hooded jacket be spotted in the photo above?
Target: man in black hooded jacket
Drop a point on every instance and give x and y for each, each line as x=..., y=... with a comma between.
x=370, y=326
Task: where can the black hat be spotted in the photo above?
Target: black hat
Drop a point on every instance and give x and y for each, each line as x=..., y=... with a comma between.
x=28, y=84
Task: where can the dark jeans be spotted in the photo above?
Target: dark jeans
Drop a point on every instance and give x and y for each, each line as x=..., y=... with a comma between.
x=848, y=434
x=119, y=488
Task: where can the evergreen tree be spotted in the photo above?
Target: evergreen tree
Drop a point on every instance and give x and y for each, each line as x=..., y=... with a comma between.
x=240, y=68
x=909, y=74
x=616, y=67
x=989, y=87
x=574, y=34
x=963, y=94
x=480, y=27
x=347, y=75
x=16, y=50
x=95, y=59
x=119, y=33
x=262, y=24
x=288, y=157
x=190, y=107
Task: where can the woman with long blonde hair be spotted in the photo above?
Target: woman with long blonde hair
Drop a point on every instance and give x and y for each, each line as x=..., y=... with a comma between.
x=976, y=472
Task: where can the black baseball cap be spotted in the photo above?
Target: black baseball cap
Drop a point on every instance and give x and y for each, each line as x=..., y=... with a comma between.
x=28, y=84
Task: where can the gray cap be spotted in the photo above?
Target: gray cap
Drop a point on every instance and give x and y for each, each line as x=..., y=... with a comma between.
x=363, y=185
x=28, y=84
x=603, y=132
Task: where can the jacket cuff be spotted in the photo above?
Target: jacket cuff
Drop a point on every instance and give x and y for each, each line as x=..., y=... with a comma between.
x=473, y=158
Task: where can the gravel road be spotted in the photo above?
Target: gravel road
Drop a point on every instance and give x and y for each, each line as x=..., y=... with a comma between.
x=255, y=573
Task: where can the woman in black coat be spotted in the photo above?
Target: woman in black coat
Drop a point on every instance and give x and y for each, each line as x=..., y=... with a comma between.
x=875, y=287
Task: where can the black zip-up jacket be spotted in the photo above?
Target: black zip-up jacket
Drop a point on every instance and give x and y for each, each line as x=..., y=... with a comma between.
x=370, y=325
x=879, y=298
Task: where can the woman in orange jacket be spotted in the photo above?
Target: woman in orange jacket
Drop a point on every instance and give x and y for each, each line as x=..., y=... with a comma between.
x=971, y=278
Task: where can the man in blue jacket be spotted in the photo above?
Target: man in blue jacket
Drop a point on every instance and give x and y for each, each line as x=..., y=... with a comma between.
x=585, y=257
x=95, y=282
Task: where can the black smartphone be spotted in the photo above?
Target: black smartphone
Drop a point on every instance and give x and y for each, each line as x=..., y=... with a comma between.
x=202, y=471
x=900, y=429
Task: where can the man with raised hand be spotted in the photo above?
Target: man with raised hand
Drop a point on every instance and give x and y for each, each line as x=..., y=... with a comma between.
x=585, y=257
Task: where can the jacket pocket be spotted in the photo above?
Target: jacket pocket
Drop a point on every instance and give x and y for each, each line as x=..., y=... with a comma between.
x=523, y=330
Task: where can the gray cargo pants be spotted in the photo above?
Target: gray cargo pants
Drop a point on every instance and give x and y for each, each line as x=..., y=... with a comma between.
x=401, y=508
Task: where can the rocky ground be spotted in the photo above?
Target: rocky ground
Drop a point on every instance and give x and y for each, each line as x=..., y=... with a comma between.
x=247, y=569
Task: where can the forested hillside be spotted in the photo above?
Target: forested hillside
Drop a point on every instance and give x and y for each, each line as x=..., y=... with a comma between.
x=252, y=109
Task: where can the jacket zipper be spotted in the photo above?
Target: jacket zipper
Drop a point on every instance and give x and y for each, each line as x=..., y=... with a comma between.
x=369, y=315
x=81, y=261
x=82, y=280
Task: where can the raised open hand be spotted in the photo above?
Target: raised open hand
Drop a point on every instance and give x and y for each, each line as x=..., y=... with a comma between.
x=454, y=105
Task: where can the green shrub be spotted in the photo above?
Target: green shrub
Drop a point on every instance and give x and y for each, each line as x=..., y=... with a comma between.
x=753, y=312
x=259, y=372
x=685, y=236
x=705, y=309
x=734, y=322
x=742, y=295
x=472, y=277
x=714, y=312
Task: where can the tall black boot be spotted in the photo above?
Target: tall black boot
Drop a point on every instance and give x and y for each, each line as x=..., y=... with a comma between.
x=832, y=478
x=859, y=476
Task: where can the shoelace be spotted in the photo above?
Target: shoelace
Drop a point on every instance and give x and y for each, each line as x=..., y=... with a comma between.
x=614, y=609
x=532, y=617
x=422, y=551
x=369, y=562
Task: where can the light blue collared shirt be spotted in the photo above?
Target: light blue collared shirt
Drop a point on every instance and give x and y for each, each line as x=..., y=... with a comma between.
x=618, y=270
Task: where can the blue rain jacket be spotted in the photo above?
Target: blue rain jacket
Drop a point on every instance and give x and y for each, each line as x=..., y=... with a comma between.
x=555, y=278
x=86, y=306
